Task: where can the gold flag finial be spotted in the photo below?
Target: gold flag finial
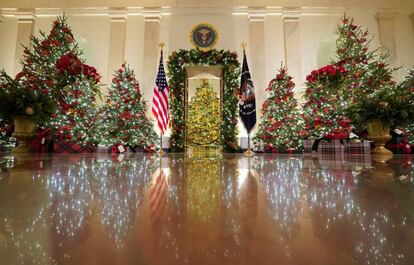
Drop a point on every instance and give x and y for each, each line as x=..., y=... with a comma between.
x=162, y=44
x=244, y=44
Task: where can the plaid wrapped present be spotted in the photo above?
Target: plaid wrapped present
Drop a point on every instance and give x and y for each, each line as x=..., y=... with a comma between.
x=357, y=148
x=323, y=146
x=103, y=149
x=307, y=145
x=331, y=147
x=68, y=147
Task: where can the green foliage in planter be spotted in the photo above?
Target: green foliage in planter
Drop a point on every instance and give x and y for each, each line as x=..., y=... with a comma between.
x=392, y=105
x=19, y=100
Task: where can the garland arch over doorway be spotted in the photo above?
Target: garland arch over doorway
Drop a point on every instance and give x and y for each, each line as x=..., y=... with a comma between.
x=176, y=73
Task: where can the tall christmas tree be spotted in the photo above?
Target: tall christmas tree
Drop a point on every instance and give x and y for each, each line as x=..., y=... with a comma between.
x=281, y=123
x=54, y=67
x=367, y=71
x=123, y=119
x=407, y=86
x=356, y=73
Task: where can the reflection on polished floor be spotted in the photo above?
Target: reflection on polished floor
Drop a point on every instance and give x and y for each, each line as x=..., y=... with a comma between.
x=116, y=210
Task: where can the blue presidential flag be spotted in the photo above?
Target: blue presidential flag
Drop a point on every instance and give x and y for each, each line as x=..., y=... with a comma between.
x=247, y=99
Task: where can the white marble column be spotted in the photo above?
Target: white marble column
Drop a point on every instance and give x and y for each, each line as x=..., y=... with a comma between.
x=256, y=58
x=256, y=49
x=116, y=54
x=151, y=51
x=412, y=22
x=387, y=35
x=293, y=57
x=25, y=20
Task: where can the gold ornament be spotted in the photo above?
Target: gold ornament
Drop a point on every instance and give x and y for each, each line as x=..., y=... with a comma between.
x=29, y=110
x=70, y=111
x=383, y=104
x=66, y=88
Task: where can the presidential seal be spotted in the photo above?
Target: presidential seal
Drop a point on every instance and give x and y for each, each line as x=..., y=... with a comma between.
x=204, y=36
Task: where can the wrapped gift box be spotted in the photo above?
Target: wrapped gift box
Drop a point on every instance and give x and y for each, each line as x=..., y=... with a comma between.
x=401, y=148
x=68, y=147
x=357, y=148
x=323, y=146
x=275, y=150
x=307, y=145
x=103, y=149
x=333, y=146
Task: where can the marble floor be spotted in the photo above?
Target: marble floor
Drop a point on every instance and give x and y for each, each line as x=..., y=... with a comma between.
x=205, y=209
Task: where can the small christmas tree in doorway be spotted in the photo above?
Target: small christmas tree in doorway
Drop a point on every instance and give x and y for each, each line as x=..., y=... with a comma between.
x=281, y=123
x=123, y=119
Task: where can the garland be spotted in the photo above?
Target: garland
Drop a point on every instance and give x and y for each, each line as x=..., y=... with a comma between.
x=176, y=74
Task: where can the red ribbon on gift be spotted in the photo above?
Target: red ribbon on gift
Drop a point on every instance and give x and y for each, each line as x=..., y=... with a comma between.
x=115, y=148
x=402, y=146
x=39, y=141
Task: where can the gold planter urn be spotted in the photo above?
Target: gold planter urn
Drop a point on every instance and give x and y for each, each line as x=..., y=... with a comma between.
x=24, y=130
x=380, y=134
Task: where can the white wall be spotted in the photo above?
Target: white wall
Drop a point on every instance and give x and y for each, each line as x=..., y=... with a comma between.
x=405, y=43
x=134, y=46
x=8, y=37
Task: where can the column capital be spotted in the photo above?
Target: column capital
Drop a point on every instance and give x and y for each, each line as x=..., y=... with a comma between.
x=291, y=14
x=256, y=15
x=117, y=14
x=25, y=15
x=386, y=15
x=152, y=15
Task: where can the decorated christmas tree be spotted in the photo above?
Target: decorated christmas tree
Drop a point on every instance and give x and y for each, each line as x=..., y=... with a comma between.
x=407, y=86
x=324, y=111
x=356, y=73
x=281, y=122
x=123, y=119
x=54, y=67
x=204, y=117
x=367, y=71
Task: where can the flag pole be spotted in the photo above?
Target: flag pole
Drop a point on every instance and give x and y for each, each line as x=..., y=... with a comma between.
x=249, y=152
x=161, y=152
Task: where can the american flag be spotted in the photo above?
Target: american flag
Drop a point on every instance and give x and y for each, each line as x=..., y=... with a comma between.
x=160, y=103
